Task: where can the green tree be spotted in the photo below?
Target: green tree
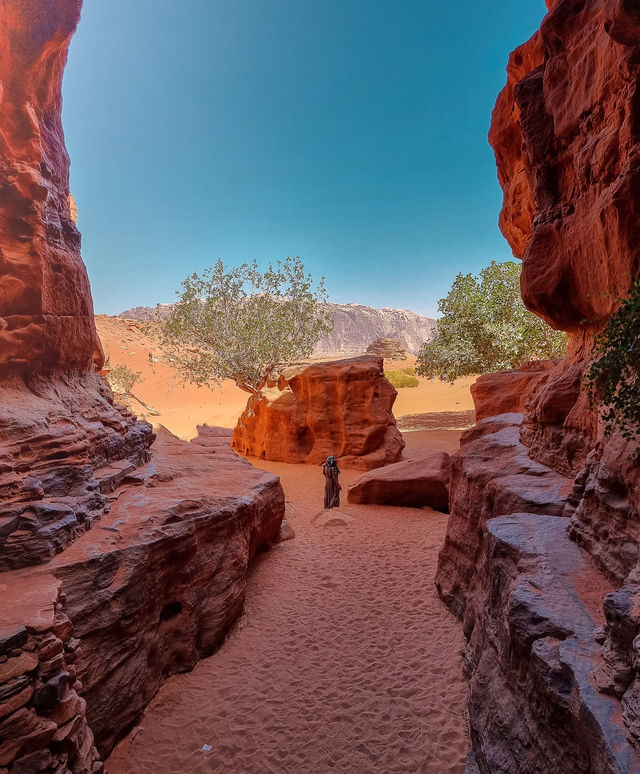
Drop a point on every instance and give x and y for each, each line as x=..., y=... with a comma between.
x=484, y=327
x=241, y=324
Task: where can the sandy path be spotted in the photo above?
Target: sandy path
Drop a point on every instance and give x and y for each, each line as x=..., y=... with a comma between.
x=344, y=661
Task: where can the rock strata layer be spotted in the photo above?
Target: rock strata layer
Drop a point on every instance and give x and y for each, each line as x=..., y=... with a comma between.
x=158, y=582
x=310, y=411
x=388, y=348
x=64, y=446
x=507, y=392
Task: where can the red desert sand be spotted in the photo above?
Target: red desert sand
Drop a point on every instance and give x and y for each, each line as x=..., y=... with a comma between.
x=345, y=660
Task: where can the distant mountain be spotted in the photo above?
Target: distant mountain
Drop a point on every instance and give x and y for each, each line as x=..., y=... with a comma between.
x=355, y=327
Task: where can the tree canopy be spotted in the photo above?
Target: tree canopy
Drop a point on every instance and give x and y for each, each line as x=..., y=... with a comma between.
x=241, y=323
x=484, y=327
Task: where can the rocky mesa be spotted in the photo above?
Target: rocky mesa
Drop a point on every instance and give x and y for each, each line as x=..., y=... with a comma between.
x=355, y=327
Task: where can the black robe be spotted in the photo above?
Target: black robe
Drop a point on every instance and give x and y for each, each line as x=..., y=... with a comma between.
x=331, y=486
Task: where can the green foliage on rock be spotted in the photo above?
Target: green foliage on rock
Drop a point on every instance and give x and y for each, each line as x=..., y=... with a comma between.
x=122, y=379
x=485, y=327
x=241, y=323
x=613, y=379
x=401, y=378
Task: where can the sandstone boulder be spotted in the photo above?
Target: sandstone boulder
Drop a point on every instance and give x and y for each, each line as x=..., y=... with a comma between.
x=411, y=483
x=387, y=348
x=507, y=391
x=310, y=411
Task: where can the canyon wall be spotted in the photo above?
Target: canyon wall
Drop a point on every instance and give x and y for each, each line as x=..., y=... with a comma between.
x=120, y=563
x=46, y=311
x=550, y=689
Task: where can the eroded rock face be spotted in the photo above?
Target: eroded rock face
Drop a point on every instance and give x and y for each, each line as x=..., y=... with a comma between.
x=46, y=311
x=492, y=475
x=43, y=720
x=171, y=561
x=389, y=348
x=414, y=483
x=566, y=135
x=571, y=183
x=507, y=392
x=308, y=412
x=63, y=447
x=531, y=655
x=158, y=582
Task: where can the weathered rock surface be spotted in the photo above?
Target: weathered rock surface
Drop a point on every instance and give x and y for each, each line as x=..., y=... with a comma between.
x=355, y=326
x=389, y=348
x=565, y=131
x=492, y=475
x=43, y=720
x=63, y=447
x=411, y=483
x=158, y=582
x=507, y=392
x=46, y=311
x=533, y=704
x=310, y=411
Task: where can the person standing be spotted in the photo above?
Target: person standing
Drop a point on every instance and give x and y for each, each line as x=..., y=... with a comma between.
x=332, y=486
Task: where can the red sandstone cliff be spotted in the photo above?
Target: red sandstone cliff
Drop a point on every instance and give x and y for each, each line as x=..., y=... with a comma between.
x=566, y=134
x=119, y=564
x=46, y=311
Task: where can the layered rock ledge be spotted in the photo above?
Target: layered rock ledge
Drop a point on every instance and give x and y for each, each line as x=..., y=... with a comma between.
x=155, y=585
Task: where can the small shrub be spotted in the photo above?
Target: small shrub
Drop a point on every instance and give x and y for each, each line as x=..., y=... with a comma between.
x=401, y=379
x=613, y=380
x=123, y=379
x=409, y=370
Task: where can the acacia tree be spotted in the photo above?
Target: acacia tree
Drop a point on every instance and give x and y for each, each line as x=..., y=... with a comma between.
x=485, y=327
x=242, y=324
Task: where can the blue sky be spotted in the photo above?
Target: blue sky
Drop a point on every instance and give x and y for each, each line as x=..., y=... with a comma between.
x=349, y=132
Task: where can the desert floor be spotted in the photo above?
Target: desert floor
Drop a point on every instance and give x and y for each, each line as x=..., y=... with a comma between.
x=344, y=660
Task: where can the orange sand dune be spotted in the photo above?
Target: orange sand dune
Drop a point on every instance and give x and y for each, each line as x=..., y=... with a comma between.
x=344, y=661
x=182, y=407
